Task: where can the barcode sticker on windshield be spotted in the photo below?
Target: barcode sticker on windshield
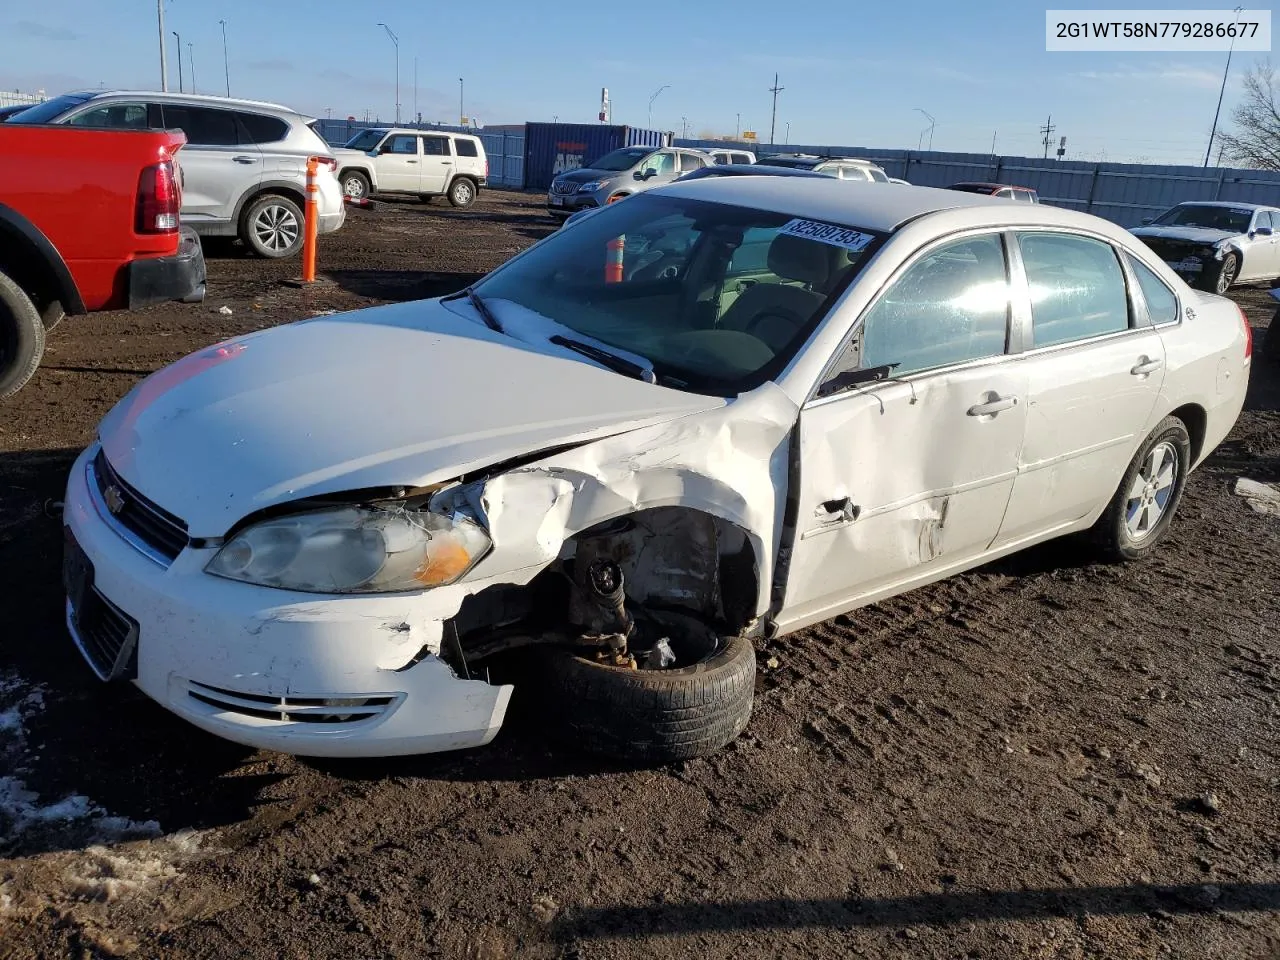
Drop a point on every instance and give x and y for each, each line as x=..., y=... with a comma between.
x=827, y=233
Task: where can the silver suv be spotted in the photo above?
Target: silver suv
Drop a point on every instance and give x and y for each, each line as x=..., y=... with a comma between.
x=244, y=167
x=619, y=174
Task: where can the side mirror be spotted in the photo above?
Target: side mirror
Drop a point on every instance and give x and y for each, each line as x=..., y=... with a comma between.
x=1146, y=220
x=1263, y=232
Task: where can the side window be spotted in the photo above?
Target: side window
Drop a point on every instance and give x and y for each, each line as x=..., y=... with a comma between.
x=660, y=163
x=1023, y=196
x=1077, y=287
x=950, y=306
x=465, y=147
x=878, y=175
x=130, y=116
x=742, y=158
x=722, y=159
x=1006, y=194
x=204, y=126
x=435, y=146
x=1162, y=305
x=1264, y=220
x=690, y=162
x=401, y=145
x=257, y=128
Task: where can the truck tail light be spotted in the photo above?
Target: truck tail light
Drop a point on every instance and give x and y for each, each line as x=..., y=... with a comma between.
x=329, y=162
x=1248, y=333
x=486, y=168
x=159, y=199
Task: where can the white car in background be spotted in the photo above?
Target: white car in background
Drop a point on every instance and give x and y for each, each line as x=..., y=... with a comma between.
x=423, y=163
x=1216, y=244
x=727, y=155
x=720, y=411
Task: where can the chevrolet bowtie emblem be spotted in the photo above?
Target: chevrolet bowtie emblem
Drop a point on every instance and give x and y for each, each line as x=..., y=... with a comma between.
x=114, y=497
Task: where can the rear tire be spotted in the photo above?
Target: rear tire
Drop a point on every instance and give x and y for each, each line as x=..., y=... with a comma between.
x=462, y=192
x=654, y=716
x=272, y=227
x=1139, y=514
x=21, y=337
x=355, y=184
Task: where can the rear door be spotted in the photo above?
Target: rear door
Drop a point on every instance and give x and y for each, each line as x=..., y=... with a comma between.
x=1095, y=366
x=216, y=167
x=438, y=162
x=269, y=134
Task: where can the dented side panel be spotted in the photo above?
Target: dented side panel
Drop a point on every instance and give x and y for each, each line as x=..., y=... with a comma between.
x=898, y=478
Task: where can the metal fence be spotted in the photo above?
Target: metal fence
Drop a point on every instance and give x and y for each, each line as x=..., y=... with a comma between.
x=504, y=146
x=1125, y=193
x=13, y=98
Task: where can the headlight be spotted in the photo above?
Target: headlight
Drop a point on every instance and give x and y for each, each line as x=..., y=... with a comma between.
x=591, y=187
x=353, y=550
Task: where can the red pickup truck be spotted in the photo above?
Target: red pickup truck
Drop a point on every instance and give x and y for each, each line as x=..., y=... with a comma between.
x=88, y=221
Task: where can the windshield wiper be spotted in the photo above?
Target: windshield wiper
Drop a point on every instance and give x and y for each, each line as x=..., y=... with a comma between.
x=480, y=306
x=611, y=360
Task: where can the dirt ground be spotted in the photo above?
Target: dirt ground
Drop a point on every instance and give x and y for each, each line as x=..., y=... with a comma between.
x=1043, y=758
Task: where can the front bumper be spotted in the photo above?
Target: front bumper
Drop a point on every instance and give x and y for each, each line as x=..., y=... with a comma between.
x=161, y=279
x=300, y=673
x=566, y=206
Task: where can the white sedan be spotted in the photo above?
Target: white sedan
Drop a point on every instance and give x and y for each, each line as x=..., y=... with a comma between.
x=721, y=411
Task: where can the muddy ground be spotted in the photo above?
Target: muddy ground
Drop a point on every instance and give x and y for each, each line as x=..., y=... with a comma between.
x=1044, y=758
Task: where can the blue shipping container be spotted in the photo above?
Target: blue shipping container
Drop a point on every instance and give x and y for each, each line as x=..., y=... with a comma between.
x=550, y=149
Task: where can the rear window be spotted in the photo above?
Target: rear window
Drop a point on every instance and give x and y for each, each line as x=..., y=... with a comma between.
x=263, y=129
x=465, y=147
x=878, y=175
x=204, y=126
x=50, y=110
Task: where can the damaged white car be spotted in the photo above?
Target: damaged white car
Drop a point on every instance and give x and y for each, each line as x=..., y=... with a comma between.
x=1214, y=244
x=715, y=413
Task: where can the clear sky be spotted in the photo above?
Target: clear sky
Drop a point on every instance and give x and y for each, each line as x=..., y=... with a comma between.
x=853, y=73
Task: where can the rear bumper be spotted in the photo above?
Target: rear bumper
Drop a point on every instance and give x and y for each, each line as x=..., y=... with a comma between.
x=179, y=277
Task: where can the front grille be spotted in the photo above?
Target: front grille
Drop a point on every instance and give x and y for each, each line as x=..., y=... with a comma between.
x=106, y=636
x=334, y=709
x=1172, y=251
x=563, y=189
x=157, y=528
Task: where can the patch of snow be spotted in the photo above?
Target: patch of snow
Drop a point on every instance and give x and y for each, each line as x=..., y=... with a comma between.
x=1261, y=497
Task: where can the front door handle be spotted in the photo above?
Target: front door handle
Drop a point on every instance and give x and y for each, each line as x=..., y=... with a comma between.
x=1145, y=366
x=840, y=510
x=991, y=406
x=411, y=161
x=245, y=159
x=446, y=163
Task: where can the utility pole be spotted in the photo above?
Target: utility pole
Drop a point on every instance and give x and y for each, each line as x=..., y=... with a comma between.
x=993, y=142
x=1214, y=129
x=395, y=40
x=226, y=65
x=179, y=36
x=773, y=122
x=191, y=65
x=164, y=54
x=416, y=116
x=737, y=128
x=462, y=104
x=684, y=128
x=653, y=98
x=787, y=136
x=1047, y=130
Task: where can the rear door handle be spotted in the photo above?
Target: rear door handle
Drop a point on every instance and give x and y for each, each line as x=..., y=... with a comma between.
x=1145, y=366
x=245, y=159
x=989, y=408
x=446, y=163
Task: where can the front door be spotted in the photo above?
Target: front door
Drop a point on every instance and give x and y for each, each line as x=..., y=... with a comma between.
x=1262, y=262
x=399, y=166
x=906, y=478
x=437, y=163
x=1095, y=366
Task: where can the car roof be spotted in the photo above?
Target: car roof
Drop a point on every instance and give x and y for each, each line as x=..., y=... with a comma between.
x=411, y=130
x=171, y=97
x=881, y=207
x=752, y=170
x=1224, y=203
x=993, y=186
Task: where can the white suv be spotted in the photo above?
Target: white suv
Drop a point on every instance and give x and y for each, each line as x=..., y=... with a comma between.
x=425, y=163
x=244, y=167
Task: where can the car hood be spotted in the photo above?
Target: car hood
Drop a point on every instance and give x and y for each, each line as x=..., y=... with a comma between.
x=348, y=152
x=586, y=174
x=1190, y=234
x=408, y=394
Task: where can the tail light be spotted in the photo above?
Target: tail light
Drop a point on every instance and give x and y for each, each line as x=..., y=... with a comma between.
x=159, y=199
x=329, y=162
x=486, y=168
x=1248, y=333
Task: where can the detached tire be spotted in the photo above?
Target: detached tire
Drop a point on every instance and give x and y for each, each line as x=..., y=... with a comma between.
x=462, y=192
x=21, y=337
x=1139, y=514
x=655, y=716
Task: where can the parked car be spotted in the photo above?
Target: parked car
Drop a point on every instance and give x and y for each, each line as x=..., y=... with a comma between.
x=422, y=163
x=89, y=220
x=1003, y=191
x=617, y=175
x=747, y=170
x=722, y=410
x=7, y=112
x=724, y=155
x=843, y=168
x=1214, y=244
x=244, y=167
x=899, y=180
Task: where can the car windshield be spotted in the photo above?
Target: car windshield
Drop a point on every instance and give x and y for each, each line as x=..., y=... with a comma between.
x=717, y=298
x=623, y=159
x=1234, y=219
x=50, y=110
x=974, y=188
x=366, y=140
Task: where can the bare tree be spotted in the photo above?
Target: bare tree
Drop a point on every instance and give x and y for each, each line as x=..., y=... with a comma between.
x=1256, y=140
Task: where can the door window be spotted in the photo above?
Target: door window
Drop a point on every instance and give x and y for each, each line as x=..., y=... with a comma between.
x=405, y=144
x=660, y=163
x=1076, y=285
x=1264, y=220
x=950, y=306
x=689, y=161
x=256, y=128
x=1162, y=305
x=878, y=175
x=130, y=116
x=435, y=146
x=204, y=126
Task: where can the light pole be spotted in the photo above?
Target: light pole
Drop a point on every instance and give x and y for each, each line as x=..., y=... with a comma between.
x=191, y=65
x=395, y=40
x=787, y=135
x=164, y=54
x=179, y=36
x=462, y=104
x=417, y=117
x=773, y=122
x=932, y=123
x=1214, y=130
x=226, y=65
x=737, y=127
x=684, y=128
x=653, y=98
